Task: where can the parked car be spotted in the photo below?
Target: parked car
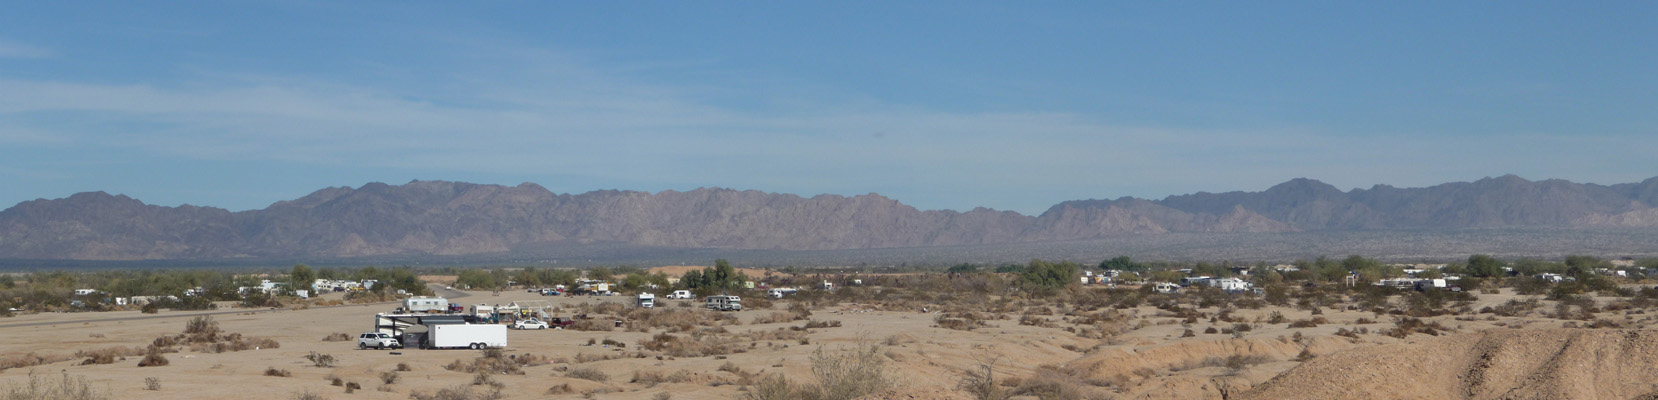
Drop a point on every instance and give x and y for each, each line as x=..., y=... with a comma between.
x=378, y=341
x=531, y=323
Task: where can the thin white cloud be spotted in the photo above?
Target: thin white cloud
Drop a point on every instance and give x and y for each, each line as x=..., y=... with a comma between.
x=549, y=115
x=14, y=49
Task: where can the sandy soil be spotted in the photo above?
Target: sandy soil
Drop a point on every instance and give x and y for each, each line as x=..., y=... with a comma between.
x=1147, y=357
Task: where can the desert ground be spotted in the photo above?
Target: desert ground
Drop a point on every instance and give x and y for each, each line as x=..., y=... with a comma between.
x=1034, y=348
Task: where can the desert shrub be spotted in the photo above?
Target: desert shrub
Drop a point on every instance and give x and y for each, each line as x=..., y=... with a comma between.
x=980, y=382
x=774, y=387
x=1305, y=355
x=336, y=337
x=558, y=389
x=1049, y=383
x=849, y=374
x=1276, y=318
x=64, y=387
x=202, y=328
x=822, y=324
x=1309, y=323
x=320, y=360
x=152, y=358
x=961, y=321
x=404, y=367
x=1407, y=325
x=108, y=355
x=773, y=318
x=495, y=362
x=588, y=374
x=307, y=395
x=594, y=325
x=459, y=392
x=272, y=371
x=388, y=377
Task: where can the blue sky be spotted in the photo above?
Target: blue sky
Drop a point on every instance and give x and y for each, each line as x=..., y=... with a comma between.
x=941, y=105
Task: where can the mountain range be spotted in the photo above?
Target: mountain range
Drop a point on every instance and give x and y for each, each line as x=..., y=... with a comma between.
x=438, y=218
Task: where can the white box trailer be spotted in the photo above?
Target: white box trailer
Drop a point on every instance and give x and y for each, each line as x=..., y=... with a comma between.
x=466, y=336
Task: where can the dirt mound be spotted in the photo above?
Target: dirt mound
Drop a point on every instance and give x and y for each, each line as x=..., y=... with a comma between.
x=1495, y=364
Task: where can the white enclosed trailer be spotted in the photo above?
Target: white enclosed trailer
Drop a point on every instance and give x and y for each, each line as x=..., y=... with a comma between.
x=466, y=336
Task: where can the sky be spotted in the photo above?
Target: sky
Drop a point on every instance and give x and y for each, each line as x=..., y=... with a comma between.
x=940, y=105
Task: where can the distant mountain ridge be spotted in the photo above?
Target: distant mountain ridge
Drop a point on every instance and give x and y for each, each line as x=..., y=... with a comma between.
x=456, y=218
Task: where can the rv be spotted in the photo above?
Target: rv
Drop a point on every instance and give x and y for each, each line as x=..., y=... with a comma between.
x=778, y=293
x=724, y=303
x=425, y=304
x=646, y=300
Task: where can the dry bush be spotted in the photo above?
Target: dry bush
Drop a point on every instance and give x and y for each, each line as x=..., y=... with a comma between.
x=980, y=382
x=849, y=374
x=108, y=355
x=494, y=361
x=64, y=387
x=272, y=371
x=1407, y=325
x=691, y=345
x=822, y=324
x=320, y=360
x=898, y=339
x=1034, y=320
x=404, y=367
x=152, y=358
x=336, y=337
x=1050, y=383
x=594, y=325
x=961, y=321
x=1309, y=323
x=202, y=328
x=31, y=359
x=774, y=387
x=152, y=383
x=388, y=377
x=459, y=392
x=776, y=317
x=563, y=388
x=588, y=374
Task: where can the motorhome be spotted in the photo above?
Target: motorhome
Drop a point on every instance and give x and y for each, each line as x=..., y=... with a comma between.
x=646, y=300
x=724, y=303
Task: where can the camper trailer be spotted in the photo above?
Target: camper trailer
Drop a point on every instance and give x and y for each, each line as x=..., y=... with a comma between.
x=425, y=304
x=724, y=303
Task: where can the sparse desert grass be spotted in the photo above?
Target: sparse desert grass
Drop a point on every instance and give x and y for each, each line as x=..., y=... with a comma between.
x=336, y=337
x=272, y=371
x=588, y=374
x=62, y=387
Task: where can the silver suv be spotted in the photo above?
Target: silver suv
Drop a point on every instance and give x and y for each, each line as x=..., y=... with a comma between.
x=377, y=340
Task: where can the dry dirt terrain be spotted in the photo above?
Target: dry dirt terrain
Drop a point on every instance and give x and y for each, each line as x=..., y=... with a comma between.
x=1035, y=349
